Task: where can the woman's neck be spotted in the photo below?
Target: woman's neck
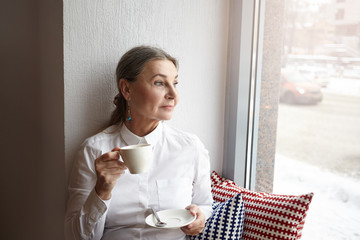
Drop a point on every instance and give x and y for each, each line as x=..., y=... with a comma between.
x=139, y=128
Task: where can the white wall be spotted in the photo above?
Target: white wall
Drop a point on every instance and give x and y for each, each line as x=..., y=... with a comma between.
x=97, y=33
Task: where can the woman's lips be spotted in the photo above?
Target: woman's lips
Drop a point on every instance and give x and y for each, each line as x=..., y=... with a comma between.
x=168, y=107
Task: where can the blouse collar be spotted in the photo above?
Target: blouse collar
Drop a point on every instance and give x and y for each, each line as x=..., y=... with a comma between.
x=132, y=139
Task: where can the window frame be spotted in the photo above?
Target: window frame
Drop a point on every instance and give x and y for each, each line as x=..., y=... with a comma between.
x=243, y=91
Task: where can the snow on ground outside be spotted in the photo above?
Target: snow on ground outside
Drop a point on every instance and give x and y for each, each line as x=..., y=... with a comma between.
x=346, y=86
x=335, y=209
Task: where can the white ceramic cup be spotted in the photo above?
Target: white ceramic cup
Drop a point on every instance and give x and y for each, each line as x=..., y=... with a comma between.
x=137, y=158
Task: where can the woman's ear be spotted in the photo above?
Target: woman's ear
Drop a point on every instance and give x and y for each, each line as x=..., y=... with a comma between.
x=124, y=87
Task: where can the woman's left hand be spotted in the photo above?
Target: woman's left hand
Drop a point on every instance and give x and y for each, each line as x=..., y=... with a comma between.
x=197, y=226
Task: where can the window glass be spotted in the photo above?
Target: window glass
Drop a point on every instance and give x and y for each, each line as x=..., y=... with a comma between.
x=309, y=127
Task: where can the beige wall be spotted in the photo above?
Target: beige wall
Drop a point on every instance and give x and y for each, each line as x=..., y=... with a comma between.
x=32, y=168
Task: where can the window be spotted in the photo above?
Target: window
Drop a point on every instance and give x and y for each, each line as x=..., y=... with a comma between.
x=306, y=143
x=340, y=14
x=317, y=147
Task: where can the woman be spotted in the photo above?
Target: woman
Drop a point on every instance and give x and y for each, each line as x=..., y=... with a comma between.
x=105, y=200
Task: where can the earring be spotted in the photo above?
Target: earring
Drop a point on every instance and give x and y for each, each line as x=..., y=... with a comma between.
x=129, y=114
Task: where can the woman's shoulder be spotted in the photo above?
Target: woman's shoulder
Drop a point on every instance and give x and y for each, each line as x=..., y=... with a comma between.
x=106, y=135
x=180, y=135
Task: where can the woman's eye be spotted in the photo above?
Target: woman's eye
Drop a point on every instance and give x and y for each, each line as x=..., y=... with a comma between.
x=159, y=83
x=175, y=84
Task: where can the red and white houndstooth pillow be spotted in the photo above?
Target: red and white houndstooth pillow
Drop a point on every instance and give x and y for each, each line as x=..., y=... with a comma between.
x=267, y=216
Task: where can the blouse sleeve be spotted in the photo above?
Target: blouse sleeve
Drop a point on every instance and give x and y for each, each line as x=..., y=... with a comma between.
x=86, y=212
x=202, y=196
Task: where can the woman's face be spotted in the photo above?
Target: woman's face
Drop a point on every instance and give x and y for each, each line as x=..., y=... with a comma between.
x=153, y=96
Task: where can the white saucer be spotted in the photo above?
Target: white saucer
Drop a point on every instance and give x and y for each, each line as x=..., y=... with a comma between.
x=174, y=218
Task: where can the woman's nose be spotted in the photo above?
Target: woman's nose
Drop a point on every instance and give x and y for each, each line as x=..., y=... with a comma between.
x=172, y=93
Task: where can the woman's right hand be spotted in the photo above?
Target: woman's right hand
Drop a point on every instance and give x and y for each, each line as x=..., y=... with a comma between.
x=108, y=169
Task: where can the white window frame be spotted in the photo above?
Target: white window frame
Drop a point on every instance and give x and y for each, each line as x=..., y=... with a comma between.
x=243, y=91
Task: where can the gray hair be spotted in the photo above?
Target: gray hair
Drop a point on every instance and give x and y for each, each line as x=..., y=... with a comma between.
x=129, y=67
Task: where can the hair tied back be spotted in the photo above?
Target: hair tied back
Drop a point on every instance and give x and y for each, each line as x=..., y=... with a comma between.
x=116, y=99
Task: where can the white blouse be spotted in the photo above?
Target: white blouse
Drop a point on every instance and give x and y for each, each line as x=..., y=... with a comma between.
x=179, y=175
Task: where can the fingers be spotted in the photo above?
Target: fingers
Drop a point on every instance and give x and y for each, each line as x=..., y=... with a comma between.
x=193, y=209
x=197, y=226
x=110, y=160
x=108, y=169
x=109, y=164
x=116, y=149
x=113, y=155
x=103, y=172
